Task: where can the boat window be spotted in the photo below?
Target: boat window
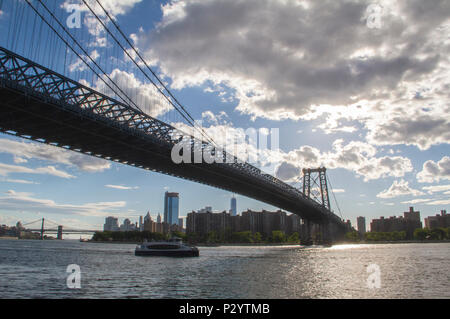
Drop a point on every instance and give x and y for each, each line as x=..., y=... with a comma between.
x=163, y=246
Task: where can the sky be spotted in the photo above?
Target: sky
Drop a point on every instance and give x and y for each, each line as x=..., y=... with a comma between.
x=360, y=87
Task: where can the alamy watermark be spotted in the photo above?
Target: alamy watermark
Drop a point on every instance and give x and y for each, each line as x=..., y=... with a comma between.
x=374, y=279
x=74, y=19
x=374, y=14
x=74, y=279
x=252, y=146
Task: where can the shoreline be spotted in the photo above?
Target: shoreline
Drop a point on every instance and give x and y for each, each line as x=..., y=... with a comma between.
x=9, y=238
x=395, y=242
x=203, y=245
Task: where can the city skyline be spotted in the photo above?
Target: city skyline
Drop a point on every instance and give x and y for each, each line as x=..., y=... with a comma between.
x=372, y=111
x=156, y=216
x=182, y=214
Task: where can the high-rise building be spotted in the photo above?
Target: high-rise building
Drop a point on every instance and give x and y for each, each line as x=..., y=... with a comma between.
x=207, y=209
x=438, y=221
x=171, y=208
x=149, y=224
x=293, y=224
x=203, y=223
x=412, y=215
x=147, y=218
x=158, y=219
x=408, y=223
x=180, y=223
x=127, y=226
x=141, y=223
x=361, y=222
x=264, y=222
x=111, y=224
x=412, y=222
x=233, y=206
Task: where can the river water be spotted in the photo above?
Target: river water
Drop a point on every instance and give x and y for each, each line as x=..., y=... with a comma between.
x=37, y=269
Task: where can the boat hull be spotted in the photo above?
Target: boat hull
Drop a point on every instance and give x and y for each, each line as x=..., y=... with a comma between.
x=175, y=253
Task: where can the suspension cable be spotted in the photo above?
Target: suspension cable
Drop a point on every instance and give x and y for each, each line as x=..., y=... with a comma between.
x=191, y=120
x=332, y=191
x=38, y=220
x=79, y=55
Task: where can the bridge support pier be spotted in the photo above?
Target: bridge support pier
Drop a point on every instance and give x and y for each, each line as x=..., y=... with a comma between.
x=306, y=233
x=60, y=233
x=326, y=233
x=42, y=229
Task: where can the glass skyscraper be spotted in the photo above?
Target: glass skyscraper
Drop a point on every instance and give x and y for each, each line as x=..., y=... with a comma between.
x=171, y=208
x=233, y=206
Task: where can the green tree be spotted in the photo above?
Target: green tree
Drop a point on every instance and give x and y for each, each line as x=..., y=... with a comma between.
x=352, y=236
x=438, y=234
x=212, y=237
x=294, y=238
x=278, y=236
x=243, y=237
x=421, y=234
x=397, y=236
x=257, y=238
x=179, y=235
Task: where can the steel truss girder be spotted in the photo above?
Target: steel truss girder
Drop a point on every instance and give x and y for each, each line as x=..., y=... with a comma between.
x=45, y=86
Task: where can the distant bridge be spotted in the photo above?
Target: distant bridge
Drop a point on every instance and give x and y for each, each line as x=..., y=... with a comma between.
x=54, y=228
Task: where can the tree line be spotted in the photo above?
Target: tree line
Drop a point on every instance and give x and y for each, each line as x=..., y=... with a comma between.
x=213, y=237
x=421, y=234
x=128, y=236
x=245, y=237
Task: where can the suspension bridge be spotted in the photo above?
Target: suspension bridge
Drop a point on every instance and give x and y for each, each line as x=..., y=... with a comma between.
x=45, y=226
x=109, y=121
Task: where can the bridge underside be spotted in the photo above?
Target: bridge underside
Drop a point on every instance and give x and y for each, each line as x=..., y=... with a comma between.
x=28, y=117
x=33, y=115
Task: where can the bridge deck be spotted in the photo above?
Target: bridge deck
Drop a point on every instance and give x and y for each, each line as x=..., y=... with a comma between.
x=40, y=105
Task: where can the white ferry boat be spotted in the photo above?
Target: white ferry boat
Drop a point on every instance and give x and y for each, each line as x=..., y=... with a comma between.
x=172, y=248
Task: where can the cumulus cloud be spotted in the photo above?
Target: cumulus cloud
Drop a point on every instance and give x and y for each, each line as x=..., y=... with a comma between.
x=435, y=172
x=422, y=128
x=80, y=65
x=355, y=156
x=6, y=170
x=215, y=119
x=114, y=8
x=416, y=201
x=19, y=201
x=32, y=150
x=144, y=95
x=439, y=202
x=399, y=188
x=437, y=189
x=287, y=59
x=18, y=181
x=288, y=172
x=120, y=187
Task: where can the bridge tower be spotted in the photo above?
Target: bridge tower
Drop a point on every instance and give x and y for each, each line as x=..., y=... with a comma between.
x=60, y=233
x=318, y=182
x=315, y=186
x=42, y=229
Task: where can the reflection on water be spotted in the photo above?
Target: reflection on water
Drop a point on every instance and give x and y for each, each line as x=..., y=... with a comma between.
x=34, y=269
